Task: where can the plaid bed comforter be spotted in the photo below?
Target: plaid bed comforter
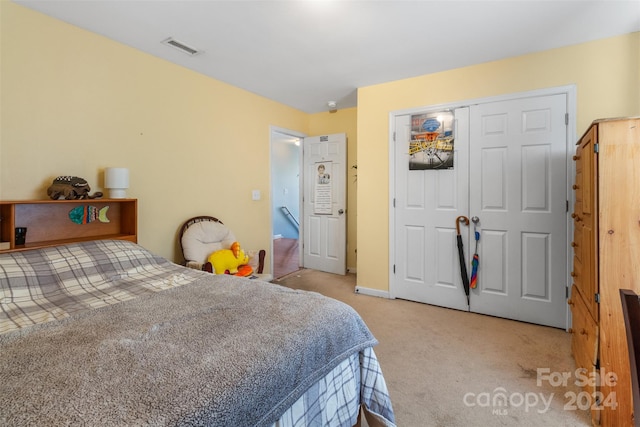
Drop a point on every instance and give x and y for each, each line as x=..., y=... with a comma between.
x=335, y=398
x=69, y=282
x=48, y=284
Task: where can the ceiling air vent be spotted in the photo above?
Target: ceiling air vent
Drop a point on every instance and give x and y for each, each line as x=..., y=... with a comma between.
x=181, y=47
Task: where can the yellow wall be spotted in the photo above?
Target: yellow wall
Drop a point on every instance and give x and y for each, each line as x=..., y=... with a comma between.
x=343, y=121
x=74, y=102
x=606, y=74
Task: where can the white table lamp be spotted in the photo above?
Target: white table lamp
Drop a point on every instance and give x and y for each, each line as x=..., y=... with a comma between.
x=117, y=181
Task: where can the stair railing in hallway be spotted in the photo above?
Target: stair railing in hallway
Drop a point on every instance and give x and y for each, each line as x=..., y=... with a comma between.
x=289, y=215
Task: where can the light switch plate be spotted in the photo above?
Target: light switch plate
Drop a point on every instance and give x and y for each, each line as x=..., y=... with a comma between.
x=255, y=194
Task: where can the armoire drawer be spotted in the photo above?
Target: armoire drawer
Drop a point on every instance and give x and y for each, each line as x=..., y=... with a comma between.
x=577, y=244
x=584, y=332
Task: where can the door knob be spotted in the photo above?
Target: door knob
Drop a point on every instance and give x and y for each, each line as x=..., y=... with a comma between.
x=340, y=211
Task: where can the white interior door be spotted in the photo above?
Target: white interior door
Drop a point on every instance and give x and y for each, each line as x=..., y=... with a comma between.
x=510, y=171
x=325, y=203
x=519, y=191
x=427, y=203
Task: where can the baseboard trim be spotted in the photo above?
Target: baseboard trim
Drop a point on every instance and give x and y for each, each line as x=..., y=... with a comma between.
x=372, y=292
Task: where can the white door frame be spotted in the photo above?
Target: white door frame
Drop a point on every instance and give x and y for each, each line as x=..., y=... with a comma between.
x=568, y=90
x=295, y=134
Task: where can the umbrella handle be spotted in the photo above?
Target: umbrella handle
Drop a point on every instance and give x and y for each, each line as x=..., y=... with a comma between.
x=460, y=219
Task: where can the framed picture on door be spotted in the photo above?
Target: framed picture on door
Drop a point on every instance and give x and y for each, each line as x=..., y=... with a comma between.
x=323, y=200
x=432, y=141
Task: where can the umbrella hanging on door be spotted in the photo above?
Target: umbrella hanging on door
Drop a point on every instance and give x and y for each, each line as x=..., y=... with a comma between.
x=476, y=259
x=463, y=263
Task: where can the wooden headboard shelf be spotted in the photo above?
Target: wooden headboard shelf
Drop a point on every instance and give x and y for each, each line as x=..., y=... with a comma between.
x=49, y=222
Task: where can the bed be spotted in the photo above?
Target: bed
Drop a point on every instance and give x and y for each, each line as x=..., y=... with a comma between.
x=107, y=333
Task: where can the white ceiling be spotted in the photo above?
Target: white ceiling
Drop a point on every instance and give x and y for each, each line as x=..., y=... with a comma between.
x=304, y=53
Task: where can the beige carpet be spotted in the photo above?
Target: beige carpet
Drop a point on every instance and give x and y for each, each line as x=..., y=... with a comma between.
x=446, y=367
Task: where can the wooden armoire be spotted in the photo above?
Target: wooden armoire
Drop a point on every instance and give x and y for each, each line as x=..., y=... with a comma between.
x=606, y=247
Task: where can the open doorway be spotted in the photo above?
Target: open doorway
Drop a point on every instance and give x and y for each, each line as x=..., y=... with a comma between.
x=286, y=154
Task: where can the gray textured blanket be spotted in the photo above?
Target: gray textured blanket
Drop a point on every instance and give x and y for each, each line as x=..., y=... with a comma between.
x=220, y=351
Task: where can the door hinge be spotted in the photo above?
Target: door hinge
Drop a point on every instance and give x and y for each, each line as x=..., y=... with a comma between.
x=596, y=148
x=566, y=118
x=597, y=298
x=394, y=136
x=394, y=269
x=567, y=206
x=566, y=292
